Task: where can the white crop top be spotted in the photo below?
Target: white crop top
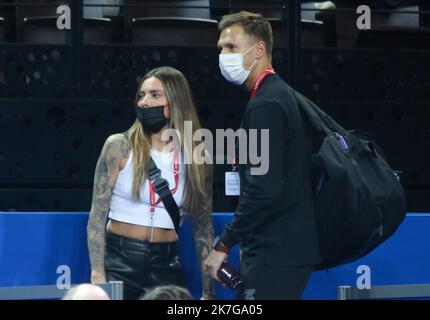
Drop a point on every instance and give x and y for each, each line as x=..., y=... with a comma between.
x=125, y=208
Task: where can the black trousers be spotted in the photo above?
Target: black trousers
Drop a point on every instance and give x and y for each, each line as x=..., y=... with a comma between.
x=271, y=282
x=141, y=265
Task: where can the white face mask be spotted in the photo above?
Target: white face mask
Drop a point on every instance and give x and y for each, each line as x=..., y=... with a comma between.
x=231, y=66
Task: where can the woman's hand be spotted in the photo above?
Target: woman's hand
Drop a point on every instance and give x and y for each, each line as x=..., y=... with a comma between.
x=207, y=296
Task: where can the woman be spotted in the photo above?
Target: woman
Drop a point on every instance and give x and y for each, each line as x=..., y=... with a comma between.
x=139, y=244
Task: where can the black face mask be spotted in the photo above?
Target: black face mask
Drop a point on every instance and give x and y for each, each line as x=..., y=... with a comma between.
x=152, y=118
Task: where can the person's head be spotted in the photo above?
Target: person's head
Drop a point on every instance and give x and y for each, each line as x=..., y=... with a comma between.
x=168, y=292
x=167, y=90
x=244, y=34
x=153, y=109
x=86, y=292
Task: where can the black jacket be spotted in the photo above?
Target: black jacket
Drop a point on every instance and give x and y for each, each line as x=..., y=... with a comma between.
x=274, y=221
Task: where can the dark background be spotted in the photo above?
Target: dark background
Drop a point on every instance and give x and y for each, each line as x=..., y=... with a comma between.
x=62, y=93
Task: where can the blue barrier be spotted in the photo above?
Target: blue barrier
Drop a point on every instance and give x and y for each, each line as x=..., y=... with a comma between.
x=402, y=259
x=34, y=246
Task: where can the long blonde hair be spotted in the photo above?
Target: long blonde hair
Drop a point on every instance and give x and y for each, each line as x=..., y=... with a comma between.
x=198, y=186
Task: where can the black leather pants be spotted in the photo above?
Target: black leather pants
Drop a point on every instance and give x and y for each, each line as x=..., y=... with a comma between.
x=141, y=265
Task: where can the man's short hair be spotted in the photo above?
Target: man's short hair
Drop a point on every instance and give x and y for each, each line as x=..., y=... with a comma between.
x=254, y=25
x=167, y=292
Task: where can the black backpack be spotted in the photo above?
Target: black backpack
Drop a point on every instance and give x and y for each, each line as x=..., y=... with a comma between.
x=359, y=201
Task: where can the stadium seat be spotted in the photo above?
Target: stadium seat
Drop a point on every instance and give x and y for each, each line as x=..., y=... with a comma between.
x=38, y=24
x=394, y=38
x=43, y=30
x=174, y=31
x=97, y=30
x=137, y=9
x=28, y=9
x=347, y=31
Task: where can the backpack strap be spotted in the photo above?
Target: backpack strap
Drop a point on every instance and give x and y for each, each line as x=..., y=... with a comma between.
x=161, y=187
x=320, y=120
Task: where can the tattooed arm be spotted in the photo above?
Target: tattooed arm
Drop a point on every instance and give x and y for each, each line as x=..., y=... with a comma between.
x=115, y=149
x=203, y=235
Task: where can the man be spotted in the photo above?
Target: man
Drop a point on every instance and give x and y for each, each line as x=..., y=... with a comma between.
x=274, y=221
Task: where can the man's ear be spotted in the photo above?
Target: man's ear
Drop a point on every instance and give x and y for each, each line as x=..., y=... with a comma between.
x=260, y=50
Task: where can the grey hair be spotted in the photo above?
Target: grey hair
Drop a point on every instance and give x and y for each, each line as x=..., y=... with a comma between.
x=168, y=292
x=86, y=292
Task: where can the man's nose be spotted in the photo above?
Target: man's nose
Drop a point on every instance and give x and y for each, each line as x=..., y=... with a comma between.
x=224, y=51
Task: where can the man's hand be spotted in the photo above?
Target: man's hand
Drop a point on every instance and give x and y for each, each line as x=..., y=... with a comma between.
x=97, y=277
x=214, y=261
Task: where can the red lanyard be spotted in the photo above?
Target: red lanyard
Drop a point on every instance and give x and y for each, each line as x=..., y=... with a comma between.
x=234, y=164
x=260, y=78
x=175, y=173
